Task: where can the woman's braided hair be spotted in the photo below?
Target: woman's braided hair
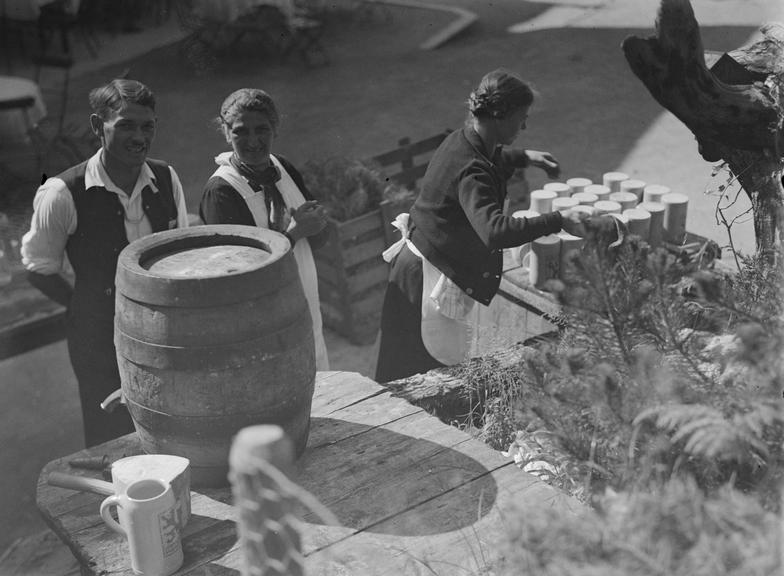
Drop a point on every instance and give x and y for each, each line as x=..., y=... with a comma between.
x=499, y=93
x=247, y=100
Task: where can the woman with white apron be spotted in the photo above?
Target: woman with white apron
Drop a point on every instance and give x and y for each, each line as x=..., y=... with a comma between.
x=451, y=253
x=255, y=188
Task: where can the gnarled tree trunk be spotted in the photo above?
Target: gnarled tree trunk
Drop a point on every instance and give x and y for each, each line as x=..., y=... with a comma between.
x=736, y=111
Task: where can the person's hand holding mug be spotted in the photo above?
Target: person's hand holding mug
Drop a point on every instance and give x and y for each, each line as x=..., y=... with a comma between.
x=573, y=222
x=309, y=218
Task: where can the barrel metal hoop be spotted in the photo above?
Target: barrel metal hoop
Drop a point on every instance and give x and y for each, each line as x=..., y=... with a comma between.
x=216, y=357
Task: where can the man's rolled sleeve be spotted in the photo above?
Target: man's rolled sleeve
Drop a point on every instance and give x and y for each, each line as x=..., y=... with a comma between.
x=54, y=219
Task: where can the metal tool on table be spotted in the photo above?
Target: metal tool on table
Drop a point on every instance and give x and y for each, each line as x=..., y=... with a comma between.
x=128, y=469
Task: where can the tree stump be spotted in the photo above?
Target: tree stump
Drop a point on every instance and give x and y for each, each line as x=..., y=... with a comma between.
x=736, y=111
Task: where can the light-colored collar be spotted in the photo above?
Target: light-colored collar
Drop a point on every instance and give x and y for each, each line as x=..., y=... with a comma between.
x=224, y=158
x=95, y=175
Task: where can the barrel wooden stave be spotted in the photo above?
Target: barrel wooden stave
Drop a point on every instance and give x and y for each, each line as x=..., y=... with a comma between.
x=225, y=390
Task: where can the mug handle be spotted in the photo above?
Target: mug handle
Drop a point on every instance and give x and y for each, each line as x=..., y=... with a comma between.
x=525, y=258
x=524, y=251
x=106, y=507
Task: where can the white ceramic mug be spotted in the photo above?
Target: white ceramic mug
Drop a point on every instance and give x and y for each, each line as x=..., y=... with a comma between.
x=148, y=519
x=625, y=199
x=542, y=201
x=175, y=470
x=654, y=192
x=601, y=191
x=569, y=244
x=639, y=222
x=656, y=228
x=636, y=187
x=563, y=190
x=563, y=203
x=585, y=198
x=519, y=251
x=675, y=208
x=607, y=207
x=578, y=184
x=613, y=180
x=543, y=261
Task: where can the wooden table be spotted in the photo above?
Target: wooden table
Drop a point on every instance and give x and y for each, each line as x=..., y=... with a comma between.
x=406, y=488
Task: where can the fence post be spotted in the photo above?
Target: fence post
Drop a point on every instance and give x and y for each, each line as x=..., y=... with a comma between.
x=266, y=522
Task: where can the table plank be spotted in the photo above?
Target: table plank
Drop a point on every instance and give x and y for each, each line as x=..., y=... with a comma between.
x=398, y=547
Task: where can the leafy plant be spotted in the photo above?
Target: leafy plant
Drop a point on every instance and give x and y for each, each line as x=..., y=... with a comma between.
x=675, y=529
x=349, y=187
x=666, y=368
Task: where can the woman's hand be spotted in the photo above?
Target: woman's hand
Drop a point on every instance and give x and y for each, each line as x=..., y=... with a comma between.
x=573, y=222
x=545, y=161
x=308, y=219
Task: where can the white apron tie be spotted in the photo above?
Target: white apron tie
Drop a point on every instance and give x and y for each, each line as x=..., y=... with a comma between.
x=448, y=326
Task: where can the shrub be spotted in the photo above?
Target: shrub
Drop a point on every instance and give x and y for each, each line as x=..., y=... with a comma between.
x=349, y=187
x=675, y=529
x=666, y=368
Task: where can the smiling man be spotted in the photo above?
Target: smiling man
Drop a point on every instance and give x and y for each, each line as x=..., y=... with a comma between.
x=90, y=213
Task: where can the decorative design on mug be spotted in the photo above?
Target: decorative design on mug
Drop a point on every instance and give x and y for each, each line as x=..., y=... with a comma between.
x=170, y=531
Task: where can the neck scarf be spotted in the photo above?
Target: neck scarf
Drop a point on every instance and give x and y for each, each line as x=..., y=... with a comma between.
x=264, y=180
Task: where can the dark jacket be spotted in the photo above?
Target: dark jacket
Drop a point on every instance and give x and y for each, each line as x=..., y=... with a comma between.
x=222, y=204
x=459, y=224
x=100, y=236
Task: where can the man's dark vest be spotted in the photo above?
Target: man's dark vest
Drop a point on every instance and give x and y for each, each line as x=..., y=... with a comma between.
x=100, y=237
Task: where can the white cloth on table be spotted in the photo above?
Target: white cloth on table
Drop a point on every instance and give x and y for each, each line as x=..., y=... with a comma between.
x=14, y=128
x=448, y=325
x=303, y=255
x=54, y=214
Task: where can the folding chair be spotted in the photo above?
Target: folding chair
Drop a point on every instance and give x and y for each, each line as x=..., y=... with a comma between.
x=16, y=150
x=57, y=62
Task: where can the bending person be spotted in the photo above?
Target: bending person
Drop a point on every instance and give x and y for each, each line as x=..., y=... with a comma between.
x=451, y=256
x=253, y=187
x=91, y=212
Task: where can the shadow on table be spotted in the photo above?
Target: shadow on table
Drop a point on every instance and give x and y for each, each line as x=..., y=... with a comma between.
x=377, y=480
x=219, y=539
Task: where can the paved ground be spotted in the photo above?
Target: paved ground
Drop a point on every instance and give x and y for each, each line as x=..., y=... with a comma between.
x=593, y=114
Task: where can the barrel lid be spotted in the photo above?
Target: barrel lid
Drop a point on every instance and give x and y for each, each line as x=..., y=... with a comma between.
x=204, y=265
x=206, y=261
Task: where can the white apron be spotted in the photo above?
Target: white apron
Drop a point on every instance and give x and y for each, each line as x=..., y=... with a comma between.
x=293, y=198
x=449, y=316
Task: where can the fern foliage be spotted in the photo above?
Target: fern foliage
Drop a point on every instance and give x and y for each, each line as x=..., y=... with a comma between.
x=674, y=530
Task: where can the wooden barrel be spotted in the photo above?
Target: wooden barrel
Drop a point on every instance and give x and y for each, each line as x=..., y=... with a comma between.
x=213, y=334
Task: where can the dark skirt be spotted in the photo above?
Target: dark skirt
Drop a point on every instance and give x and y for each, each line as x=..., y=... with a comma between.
x=401, y=350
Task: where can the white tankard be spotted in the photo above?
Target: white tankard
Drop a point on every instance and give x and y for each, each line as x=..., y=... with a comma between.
x=148, y=519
